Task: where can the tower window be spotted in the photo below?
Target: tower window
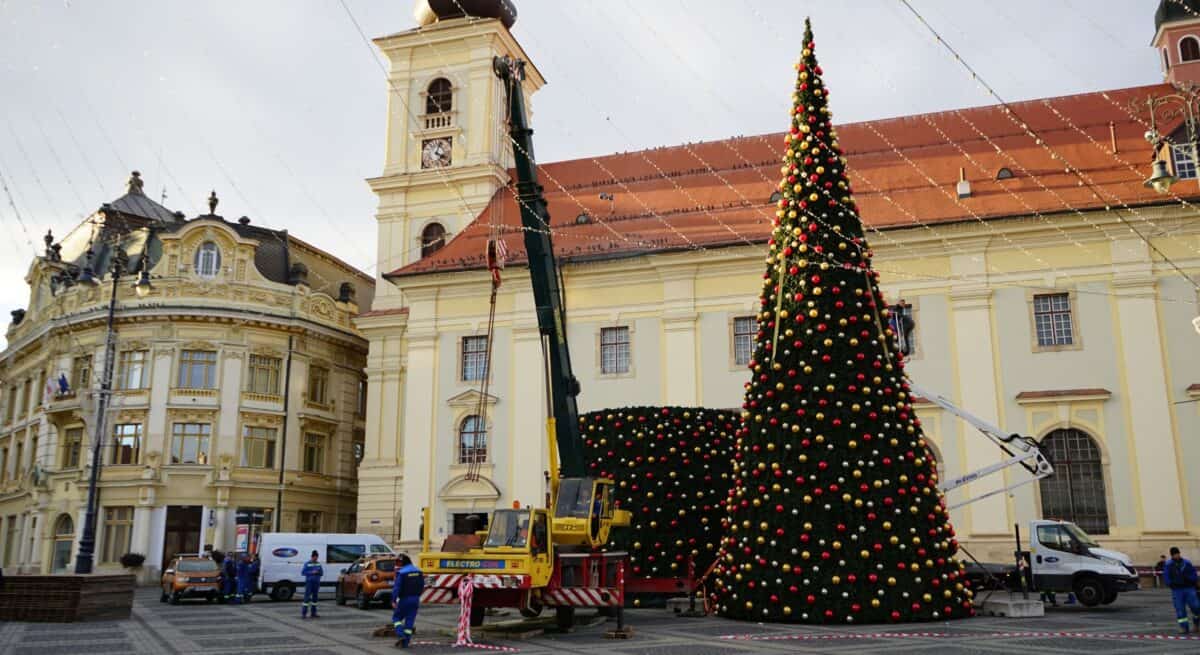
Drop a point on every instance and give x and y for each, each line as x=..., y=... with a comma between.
x=433, y=237
x=439, y=97
x=1189, y=48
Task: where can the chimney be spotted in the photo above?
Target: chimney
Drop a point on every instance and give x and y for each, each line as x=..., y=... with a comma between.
x=964, y=187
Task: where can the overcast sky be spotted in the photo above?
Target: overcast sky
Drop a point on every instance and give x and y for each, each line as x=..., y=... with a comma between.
x=279, y=105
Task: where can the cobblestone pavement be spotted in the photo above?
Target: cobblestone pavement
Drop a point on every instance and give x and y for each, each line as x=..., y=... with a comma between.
x=1130, y=625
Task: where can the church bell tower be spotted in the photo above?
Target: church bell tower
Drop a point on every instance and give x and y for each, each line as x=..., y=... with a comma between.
x=1177, y=39
x=447, y=147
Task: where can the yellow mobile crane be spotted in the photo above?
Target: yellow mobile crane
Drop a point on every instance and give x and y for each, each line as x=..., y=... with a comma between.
x=536, y=557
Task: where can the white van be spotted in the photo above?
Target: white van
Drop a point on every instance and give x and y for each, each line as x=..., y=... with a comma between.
x=284, y=554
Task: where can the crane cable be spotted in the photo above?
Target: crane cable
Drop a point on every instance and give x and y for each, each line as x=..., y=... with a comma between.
x=494, y=254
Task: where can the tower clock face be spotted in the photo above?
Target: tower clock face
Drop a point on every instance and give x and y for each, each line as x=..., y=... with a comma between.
x=435, y=153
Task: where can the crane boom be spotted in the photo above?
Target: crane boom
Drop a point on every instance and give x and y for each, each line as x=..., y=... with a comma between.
x=562, y=386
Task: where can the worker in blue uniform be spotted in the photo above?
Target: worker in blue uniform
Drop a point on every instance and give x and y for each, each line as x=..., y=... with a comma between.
x=255, y=565
x=1180, y=576
x=229, y=578
x=312, y=573
x=406, y=599
x=243, y=579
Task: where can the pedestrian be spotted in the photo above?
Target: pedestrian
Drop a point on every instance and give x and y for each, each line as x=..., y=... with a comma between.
x=229, y=578
x=243, y=579
x=312, y=573
x=1158, y=570
x=254, y=568
x=406, y=599
x=1180, y=576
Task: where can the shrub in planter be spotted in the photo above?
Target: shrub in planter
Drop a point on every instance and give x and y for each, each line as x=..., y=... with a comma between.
x=132, y=560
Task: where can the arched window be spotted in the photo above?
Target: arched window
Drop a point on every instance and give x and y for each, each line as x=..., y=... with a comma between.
x=64, y=542
x=433, y=237
x=1189, y=48
x=472, y=440
x=439, y=97
x=1076, y=490
x=208, y=260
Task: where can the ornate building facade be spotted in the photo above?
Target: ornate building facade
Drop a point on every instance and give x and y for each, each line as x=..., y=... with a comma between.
x=1035, y=305
x=237, y=387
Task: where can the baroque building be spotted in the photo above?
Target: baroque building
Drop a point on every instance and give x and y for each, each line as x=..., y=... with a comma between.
x=1035, y=305
x=237, y=388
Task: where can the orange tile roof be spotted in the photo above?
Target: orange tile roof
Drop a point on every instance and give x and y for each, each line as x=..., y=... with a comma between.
x=717, y=193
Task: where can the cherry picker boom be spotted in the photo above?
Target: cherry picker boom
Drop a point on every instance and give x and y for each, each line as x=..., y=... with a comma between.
x=1029, y=456
x=535, y=557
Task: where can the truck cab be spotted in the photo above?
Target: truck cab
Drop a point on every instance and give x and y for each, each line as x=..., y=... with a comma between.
x=1064, y=558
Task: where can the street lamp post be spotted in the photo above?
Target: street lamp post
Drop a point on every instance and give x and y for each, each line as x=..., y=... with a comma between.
x=85, y=560
x=1185, y=104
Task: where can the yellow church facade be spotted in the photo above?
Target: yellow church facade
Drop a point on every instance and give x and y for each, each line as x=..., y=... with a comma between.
x=1036, y=306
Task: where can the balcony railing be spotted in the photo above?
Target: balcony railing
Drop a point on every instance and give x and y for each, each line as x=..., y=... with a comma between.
x=439, y=121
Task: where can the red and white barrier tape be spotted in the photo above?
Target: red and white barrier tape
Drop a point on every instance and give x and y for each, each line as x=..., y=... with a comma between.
x=466, y=591
x=487, y=647
x=1041, y=634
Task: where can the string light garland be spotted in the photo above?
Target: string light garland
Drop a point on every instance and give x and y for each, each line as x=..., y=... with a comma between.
x=1083, y=178
x=835, y=516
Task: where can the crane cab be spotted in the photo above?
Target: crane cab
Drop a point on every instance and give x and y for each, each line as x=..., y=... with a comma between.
x=584, y=512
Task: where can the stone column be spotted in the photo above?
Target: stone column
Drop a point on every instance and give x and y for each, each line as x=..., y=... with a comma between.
x=33, y=559
x=420, y=433
x=139, y=541
x=379, y=471
x=527, y=457
x=221, y=540
x=226, y=434
x=977, y=393
x=681, y=377
x=1144, y=387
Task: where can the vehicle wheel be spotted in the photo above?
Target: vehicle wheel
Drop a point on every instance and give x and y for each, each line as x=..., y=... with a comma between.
x=209, y=598
x=162, y=597
x=1109, y=597
x=339, y=596
x=565, y=617
x=283, y=591
x=174, y=599
x=477, y=615
x=534, y=607
x=1089, y=590
x=361, y=601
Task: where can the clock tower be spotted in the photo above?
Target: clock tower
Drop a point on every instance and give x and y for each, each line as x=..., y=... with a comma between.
x=447, y=150
x=447, y=154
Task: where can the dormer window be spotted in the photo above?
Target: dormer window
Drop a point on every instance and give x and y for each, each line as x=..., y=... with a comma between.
x=439, y=97
x=1189, y=48
x=208, y=260
x=1004, y=173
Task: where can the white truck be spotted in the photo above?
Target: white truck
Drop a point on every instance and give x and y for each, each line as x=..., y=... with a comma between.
x=1061, y=556
x=1064, y=558
x=284, y=554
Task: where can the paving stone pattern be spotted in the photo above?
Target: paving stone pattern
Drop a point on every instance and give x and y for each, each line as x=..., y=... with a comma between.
x=268, y=627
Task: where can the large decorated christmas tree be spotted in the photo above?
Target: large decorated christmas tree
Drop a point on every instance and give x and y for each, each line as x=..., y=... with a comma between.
x=835, y=515
x=671, y=467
